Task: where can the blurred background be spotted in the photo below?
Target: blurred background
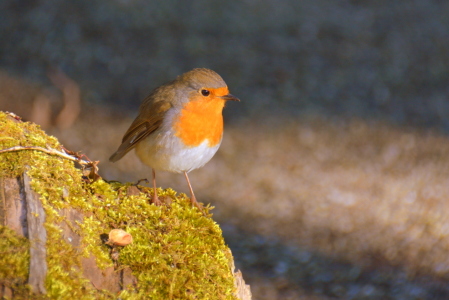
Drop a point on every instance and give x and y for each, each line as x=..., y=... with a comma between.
x=332, y=179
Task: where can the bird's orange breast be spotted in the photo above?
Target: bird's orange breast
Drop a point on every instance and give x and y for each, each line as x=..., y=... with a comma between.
x=200, y=120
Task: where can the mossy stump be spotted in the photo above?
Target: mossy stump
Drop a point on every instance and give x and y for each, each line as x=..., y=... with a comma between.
x=53, y=221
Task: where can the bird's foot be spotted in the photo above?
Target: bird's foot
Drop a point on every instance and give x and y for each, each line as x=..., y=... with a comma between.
x=198, y=205
x=155, y=200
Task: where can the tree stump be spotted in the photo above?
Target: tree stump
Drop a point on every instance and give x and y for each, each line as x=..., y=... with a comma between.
x=55, y=219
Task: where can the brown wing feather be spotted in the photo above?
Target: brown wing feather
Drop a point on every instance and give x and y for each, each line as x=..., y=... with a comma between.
x=149, y=119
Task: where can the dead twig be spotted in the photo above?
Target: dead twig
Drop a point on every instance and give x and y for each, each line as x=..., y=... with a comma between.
x=50, y=151
x=66, y=154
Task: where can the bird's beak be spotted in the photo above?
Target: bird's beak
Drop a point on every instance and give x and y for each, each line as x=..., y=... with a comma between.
x=229, y=97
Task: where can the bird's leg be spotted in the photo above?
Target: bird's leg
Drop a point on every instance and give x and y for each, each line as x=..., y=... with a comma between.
x=193, y=198
x=155, y=200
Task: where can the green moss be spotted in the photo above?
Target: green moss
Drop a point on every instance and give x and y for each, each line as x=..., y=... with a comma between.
x=177, y=253
x=14, y=259
x=26, y=134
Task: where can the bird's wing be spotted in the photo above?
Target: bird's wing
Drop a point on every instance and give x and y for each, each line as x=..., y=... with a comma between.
x=149, y=119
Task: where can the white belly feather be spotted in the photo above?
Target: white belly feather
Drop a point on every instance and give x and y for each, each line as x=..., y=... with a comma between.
x=165, y=152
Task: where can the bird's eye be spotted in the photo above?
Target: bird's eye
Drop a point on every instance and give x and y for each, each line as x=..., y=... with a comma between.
x=205, y=93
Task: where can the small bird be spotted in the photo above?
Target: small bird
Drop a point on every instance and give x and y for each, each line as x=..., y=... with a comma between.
x=180, y=125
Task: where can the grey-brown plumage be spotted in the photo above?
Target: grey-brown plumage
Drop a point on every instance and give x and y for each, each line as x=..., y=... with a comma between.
x=188, y=107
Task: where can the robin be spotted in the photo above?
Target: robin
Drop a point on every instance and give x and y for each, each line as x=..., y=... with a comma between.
x=180, y=125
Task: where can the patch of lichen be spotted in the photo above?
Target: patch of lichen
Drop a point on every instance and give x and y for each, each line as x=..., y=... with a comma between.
x=177, y=253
